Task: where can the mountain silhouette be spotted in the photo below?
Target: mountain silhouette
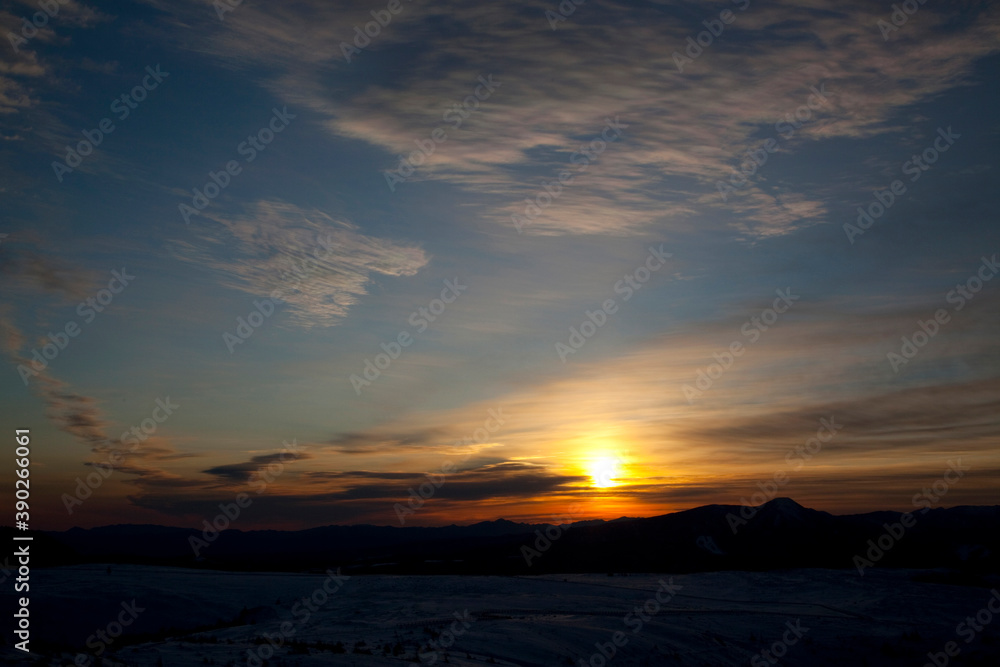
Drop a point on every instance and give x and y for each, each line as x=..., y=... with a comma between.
x=778, y=534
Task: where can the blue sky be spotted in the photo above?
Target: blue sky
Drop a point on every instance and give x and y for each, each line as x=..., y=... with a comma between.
x=612, y=426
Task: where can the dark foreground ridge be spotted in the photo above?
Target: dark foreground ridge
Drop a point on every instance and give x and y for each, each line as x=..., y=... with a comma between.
x=777, y=535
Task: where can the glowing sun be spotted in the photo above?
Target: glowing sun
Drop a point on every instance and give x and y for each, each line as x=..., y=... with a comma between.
x=604, y=472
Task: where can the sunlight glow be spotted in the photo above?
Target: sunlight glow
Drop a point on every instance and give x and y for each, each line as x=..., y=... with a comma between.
x=605, y=472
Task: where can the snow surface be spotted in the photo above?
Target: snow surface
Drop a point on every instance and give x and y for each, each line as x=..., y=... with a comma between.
x=886, y=617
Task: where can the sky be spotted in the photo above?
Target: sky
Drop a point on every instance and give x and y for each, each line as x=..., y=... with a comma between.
x=422, y=263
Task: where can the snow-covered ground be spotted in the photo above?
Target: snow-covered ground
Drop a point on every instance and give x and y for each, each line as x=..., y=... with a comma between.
x=801, y=617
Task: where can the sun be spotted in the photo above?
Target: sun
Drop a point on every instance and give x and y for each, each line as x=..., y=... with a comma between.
x=605, y=472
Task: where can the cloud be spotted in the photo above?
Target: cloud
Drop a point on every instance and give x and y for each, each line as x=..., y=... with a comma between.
x=310, y=496
x=30, y=272
x=10, y=335
x=73, y=413
x=244, y=472
x=686, y=130
x=941, y=417
x=16, y=95
x=81, y=417
x=140, y=463
x=319, y=266
x=897, y=430
x=369, y=442
x=357, y=474
x=13, y=95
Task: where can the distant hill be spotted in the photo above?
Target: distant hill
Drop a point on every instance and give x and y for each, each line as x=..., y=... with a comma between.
x=779, y=534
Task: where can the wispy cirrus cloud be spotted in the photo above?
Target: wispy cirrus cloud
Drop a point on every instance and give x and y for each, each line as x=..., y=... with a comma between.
x=686, y=130
x=320, y=266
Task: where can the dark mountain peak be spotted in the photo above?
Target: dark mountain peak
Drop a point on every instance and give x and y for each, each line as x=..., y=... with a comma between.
x=784, y=504
x=785, y=511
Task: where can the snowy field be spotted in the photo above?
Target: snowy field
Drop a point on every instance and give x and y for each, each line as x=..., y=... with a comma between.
x=799, y=617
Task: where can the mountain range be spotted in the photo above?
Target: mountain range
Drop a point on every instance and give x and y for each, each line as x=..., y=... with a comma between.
x=777, y=535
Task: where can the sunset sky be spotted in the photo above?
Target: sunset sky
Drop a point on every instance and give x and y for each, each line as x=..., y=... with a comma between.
x=507, y=168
